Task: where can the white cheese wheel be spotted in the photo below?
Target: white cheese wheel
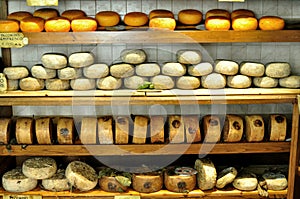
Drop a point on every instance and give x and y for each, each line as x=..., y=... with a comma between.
x=88, y=130
x=245, y=182
x=275, y=181
x=24, y=130
x=81, y=59
x=105, y=130
x=95, y=71
x=239, y=81
x=43, y=130
x=5, y=126
x=290, y=82
x=140, y=129
x=192, y=128
x=252, y=69
x=147, y=183
x=265, y=82
x=134, y=82
x=207, y=174
x=179, y=183
x=255, y=128
x=15, y=181
x=57, y=84
x=176, y=129
x=121, y=70
x=65, y=131
x=133, y=56
x=12, y=84
x=3, y=82
x=147, y=69
x=200, y=69
x=233, y=128
x=225, y=177
x=40, y=72
x=109, y=83
x=226, y=67
x=173, y=69
x=277, y=127
x=81, y=176
x=213, y=81
x=189, y=56
x=157, y=131
x=122, y=130
x=211, y=128
x=39, y=167
x=16, y=72
x=278, y=70
x=162, y=82
x=68, y=73
x=187, y=82
x=58, y=182
x=54, y=61
x=83, y=84
x=31, y=84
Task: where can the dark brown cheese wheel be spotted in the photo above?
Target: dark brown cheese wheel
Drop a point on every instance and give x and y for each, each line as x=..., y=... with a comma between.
x=31, y=84
x=161, y=13
x=24, y=130
x=217, y=13
x=46, y=13
x=122, y=130
x=243, y=12
x=88, y=130
x=179, y=183
x=135, y=19
x=277, y=127
x=147, y=183
x=233, y=128
x=189, y=16
x=108, y=18
x=192, y=128
x=5, y=126
x=19, y=15
x=65, y=131
x=105, y=130
x=43, y=130
x=140, y=129
x=211, y=128
x=157, y=131
x=73, y=14
x=255, y=128
x=176, y=129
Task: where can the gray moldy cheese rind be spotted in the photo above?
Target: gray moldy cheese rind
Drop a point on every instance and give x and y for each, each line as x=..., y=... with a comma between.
x=83, y=84
x=213, y=81
x=58, y=182
x=226, y=67
x=226, y=176
x=278, y=69
x=16, y=72
x=95, y=71
x=147, y=69
x=189, y=56
x=40, y=72
x=207, y=174
x=133, y=56
x=134, y=82
x=239, y=81
x=109, y=83
x=69, y=73
x=121, y=70
x=173, y=69
x=163, y=82
x=265, y=82
x=54, y=61
x=187, y=82
x=200, y=69
x=12, y=84
x=275, y=181
x=31, y=84
x=57, y=84
x=245, y=182
x=252, y=69
x=65, y=130
x=81, y=59
x=39, y=167
x=290, y=82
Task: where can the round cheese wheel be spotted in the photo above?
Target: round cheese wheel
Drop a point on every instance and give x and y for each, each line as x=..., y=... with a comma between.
x=111, y=184
x=275, y=181
x=65, y=131
x=265, y=82
x=213, y=81
x=84, y=24
x=121, y=70
x=173, y=69
x=46, y=13
x=217, y=13
x=211, y=128
x=107, y=18
x=292, y=81
x=40, y=72
x=133, y=56
x=233, y=128
x=81, y=176
x=217, y=23
x=58, y=182
x=57, y=84
x=81, y=59
x=109, y=83
x=147, y=69
x=166, y=23
x=9, y=25
x=244, y=22
x=140, y=129
x=207, y=174
x=57, y=24
x=226, y=67
x=162, y=82
x=88, y=130
x=252, y=69
x=12, y=84
x=160, y=13
x=255, y=128
x=278, y=69
x=277, y=127
x=242, y=12
x=200, y=69
x=73, y=14
x=5, y=126
x=31, y=84
x=188, y=82
x=68, y=73
x=134, y=82
x=189, y=16
x=39, y=167
x=147, y=182
x=225, y=177
x=16, y=72
x=24, y=130
x=54, y=60
x=95, y=71
x=32, y=24
x=245, y=182
x=239, y=81
x=189, y=56
x=19, y=15
x=43, y=130
x=135, y=19
x=83, y=84
x=15, y=181
x=106, y=129
x=271, y=23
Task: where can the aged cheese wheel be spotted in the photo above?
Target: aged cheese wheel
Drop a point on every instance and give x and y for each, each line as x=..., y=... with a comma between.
x=140, y=129
x=189, y=16
x=109, y=83
x=58, y=182
x=19, y=15
x=54, y=61
x=88, y=130
x=217, y=13
x=233, y=128
x=95, y=71
x=24, y=130
x=213, y=81
x=83, y=84
x=57, y=24
x=245, y=182
x=277, y=127
x=265, y=82
x=135, y=19
x=147, y=69
x=165, y=23
x=180, y=183
x=275, y=181
x=15, y=181
x=9, y=25
x=173, y=69
x=40, y=72
x=211, y=128
x=226, y=67
x=207, y=174
x=81, y=59
x=12, y=84
x=271, y=23
x=252, y=69
x=160, y=13
x=216, y=23
x=292, y=81
x=105, y=130
x=244, y=22
x=39, y=167
x=147, y=182
x=192, y=128
x=32, y=24
x=69, y=73
x=176, y=129
x=16, y=72
x=81, y=176
x=108, y=18
x=255, y=130
x=188, y=82
x=111, y=184
x=162, y=82
x=225, y=177
x=31, y=84
x=122, y=130
x=133, y=56
x=84, y=24
x=65, y=131
x=200, y=69
x=121, y=70
x=57, y=84
x=73, y=14
x=157, y=131
x=46, y=13
x=5, y=126
x=3, y=83
x=134, y=82
x=239, y=81
x=278, y=70
x=43, y=130
x=241, y=12
x=189, y=56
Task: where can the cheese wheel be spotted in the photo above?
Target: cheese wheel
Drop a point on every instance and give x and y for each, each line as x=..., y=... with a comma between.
x=226, y=67
x=54, y=61
x=81, y=176
x=162, y=82
x=46, y=13
x=216, y=23
x=207, y=174
x=58, y=182
x=189, y=16
x=15, y=181
x=81, y=59
x=82, y=84
x=88, y=130
x=134, y=82
x=9, y=25
x=69, y=73
x=173, y=69
x=40, y=72
x=157, y=131
x=140, y=129
x=95, y=71
x=189, y=56
x=233, y=128
x=5, y=126
x=19, y=15
x=109, y=83
x=278, y=69
x=3, y=83
x=84, y=24
x=32, y=24
x=57, y=24
x=239, y=81
x=271, y=23
x=24, y=130
x=39, y=167
x=213, y=81
x=217, y=13
x=241, y=12
x=133, y=56
x=179, y=183
x=176, y=129
x=160, y=13
x=192, y=128
x=135, y=19
x=57, y=84
x=105, y=130
x=166, y=23
x=211, y=128
x=255, y=130
x=147, y=183
x=200, y=69
x=292, y=81
x=121, y=70
x=73, y=14
x=275, y=181
x=107, y=18
x=265, y=82
x=244, y=22
x=277, y=127
x=65, y=131
x=122, y=130
x=111, y=184
x=43, y=130
x=252, y=69
x=147, y=69
x=245, y=182
x=16, y=72
x=31, y=84
x=225, y=177
x=188, y=82
x=12, y=84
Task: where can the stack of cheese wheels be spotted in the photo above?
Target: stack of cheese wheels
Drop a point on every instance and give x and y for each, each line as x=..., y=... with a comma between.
x=122, y=127
x=243, y=19
x=176, y=129
x=108, y=18
x=105, y=130
x=140, y=129
x=245, y=182
x=233, y=128
x=43, y=130
x=157, y=131
x=147, y=182
x=207, y=174
x=84, y=24
x=65, y=130
x=217, y=19
x=135, y=19
x=73, y=14
x=9, y=25
x=211, y=128
x=255, y=128
x=24, y=130
x=162, y=19
x=277, y=127
x=225, y=177
x=39, y=167
x=46, y=13
x=271, y=23
x=190, y=16
x=88, y=130
x=58, y=182
x=5, y=126
x=19, y=15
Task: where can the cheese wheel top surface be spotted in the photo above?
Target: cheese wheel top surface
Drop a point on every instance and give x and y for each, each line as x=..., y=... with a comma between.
x=217, y=13
x=46, y=13
x=136, y=19
x=107, y=18
x=161, y=13
x=19, y=15
x=190, y=16
x=73, y=14
x=243, y=12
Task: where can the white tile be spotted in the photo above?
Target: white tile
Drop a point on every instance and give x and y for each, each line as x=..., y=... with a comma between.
x=119, y=6
x=285, y=9
x=256, y=7
x=166, y=4
x=207, y=5
x=134, y=6
x=148, y=5
x=269, y=7
x=31, y=54
x=267, y=52
x=73, y=5
x=224, y=52
x=239, y=52
x=296, y=9
x=253, y=52
x=178, y=5
x=240, y=5
x=14, y=6
x=89, y=6
x=195, y=4
x=225, y=5
x=282, y=53
x=103, y=5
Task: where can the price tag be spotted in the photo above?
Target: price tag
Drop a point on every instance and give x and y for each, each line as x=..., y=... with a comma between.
x=13, y=40
x=231, y=0
x=21, y=196
x=127, y=197
x=42, y=2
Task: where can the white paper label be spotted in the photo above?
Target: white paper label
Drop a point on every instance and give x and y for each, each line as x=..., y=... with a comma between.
x=13, y=40
x=42, y=2
x=11, y=196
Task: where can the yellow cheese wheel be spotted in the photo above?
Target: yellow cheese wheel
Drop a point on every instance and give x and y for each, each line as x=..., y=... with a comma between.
x=65, y=130
x=243, y=22
x=24, y=130
x=162, y=23
x=32, y=24
x=9, y=25
x=135, y=19
x=84, y=24
x=43, y=130
x=271, y=23
x=217, y=23
x=57, y=24
x=88, y=132
x=5, y=125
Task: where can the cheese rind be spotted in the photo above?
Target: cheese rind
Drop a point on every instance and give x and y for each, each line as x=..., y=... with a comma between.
x=265, y=82
x=192, y=128
x=163, y=82
x=173, y=69
x=225, y=177
x=189, y=56
x=146, y=183
x=16, y=72
x=147, y=69
x=233, y=128
x=187, y=82
x=245, y=182
x=122, y=130
x=226, y=67
x=57, y=84
x=12, y=84
x=54, y=61
x=109, y=83
x=176, y=129
x=207, y=174
x=254, y=128
x=82, y=84
x=105, y=130
x=24, y=130
x=211, y=128
x=134, y=82
x=252, y=69
x=81, y=59
x=5, y=125
x=31, y=84
x=39, y=167
x=200, y=69
x=43, y=130
x=179, y=183
x=292, y=81
x=275, y=181
x=68, y=73
x=140, y=129
x=40, y=72
x=65, y=130
x=157, y=131
x=121, y=70
x=239, y=81
x=213, y=81
x=278, y=70
x=95, y=71
x=88, y=130
x=133, y=56
x=58, y=182
x=277, y=127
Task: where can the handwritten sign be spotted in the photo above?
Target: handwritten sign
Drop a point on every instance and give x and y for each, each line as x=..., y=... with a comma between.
x=13, y=40
x=42, y=2
x=21, y=197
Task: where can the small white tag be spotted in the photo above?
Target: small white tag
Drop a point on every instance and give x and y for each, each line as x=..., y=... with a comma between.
x=42, y=2
x=127, y=197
